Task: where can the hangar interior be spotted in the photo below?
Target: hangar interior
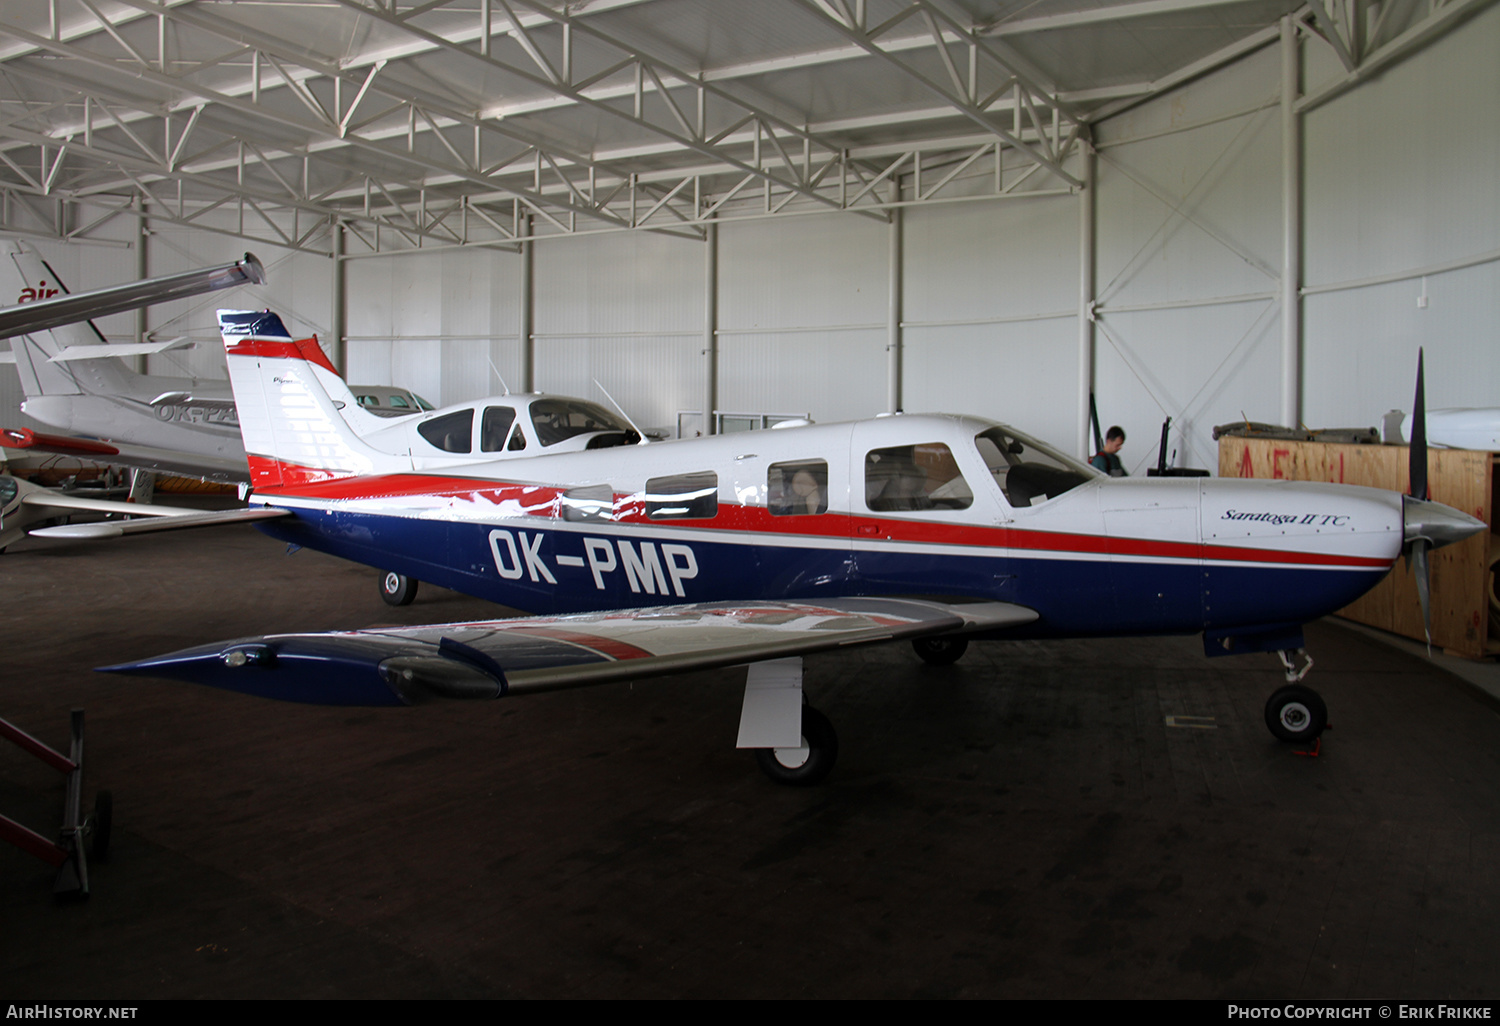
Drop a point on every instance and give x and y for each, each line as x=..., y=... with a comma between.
x=1208, y=210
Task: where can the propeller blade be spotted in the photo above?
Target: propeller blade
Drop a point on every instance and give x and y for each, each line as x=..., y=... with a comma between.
x=1419, y=550
x=1418, y=471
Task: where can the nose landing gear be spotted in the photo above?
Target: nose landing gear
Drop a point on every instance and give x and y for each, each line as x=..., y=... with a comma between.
x=1296, y=713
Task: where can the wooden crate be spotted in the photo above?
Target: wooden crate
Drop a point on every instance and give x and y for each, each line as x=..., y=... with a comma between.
x=1461, y=478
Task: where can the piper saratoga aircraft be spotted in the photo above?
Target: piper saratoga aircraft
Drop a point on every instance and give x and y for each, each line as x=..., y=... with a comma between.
x=760, y=548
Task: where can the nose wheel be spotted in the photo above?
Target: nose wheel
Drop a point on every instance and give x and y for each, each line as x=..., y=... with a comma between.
x=1296, y=713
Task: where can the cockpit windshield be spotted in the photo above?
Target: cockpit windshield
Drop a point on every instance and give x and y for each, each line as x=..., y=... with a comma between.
x=557, y=420
x=1029, y=472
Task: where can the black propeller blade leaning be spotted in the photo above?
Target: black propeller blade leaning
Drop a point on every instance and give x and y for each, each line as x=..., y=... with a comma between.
x=1418, y=470
x=1420, y=548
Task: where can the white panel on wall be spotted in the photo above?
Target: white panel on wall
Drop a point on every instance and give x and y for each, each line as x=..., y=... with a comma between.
x=1404, y=175
x=1361, y=356
x=803, y=272
x=1193, y=215
x=1025, y=374
x=780, y=281
x=627, y=310
x=464, y=306
x=832, y=375
x=991, y=260
x=369, y=363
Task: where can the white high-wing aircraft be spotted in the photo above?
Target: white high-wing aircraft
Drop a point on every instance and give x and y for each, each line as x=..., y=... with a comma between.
x=760, y=548
x=75, y=380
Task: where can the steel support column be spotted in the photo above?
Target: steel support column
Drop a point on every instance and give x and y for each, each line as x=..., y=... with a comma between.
x=138, y=362
x=893, y=317
x=526, y=329
x=710, y=325
x=339, y=302
x=1291, y=230
x=1086, y=260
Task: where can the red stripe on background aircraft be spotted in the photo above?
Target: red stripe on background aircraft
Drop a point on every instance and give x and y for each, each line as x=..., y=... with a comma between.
x=757, y=549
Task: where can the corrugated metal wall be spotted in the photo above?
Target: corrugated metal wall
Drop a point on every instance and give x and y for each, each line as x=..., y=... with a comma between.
x=1403, y=174
x=990, y=309
x=802, y=315
x=626, y=311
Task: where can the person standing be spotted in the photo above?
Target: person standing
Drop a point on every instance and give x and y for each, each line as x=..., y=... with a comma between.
x=1108, y=459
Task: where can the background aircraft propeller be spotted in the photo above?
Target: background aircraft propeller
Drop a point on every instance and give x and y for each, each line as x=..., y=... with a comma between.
x=1419, y=548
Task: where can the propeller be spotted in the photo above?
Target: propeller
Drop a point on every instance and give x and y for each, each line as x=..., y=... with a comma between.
x=1420, y=546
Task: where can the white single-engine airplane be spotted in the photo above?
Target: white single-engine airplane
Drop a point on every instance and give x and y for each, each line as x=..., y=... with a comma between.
x=761, y=548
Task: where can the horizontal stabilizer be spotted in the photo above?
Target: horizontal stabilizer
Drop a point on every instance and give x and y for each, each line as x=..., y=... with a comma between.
x=112, y=349
x=489, y=659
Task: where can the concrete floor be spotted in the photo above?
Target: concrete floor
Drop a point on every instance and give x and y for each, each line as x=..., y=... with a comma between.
x=1025, y=824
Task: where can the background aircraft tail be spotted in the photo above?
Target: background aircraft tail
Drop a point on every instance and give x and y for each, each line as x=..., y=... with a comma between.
x=24, y=278
x=300, y=422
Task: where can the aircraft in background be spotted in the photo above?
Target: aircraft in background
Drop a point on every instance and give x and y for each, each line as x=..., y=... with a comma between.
x=759, y=549
x=23, y=506
x=75, y=380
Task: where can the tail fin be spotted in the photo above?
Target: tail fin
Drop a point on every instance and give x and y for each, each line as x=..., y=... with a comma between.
x=26, y=277
x=300, y=422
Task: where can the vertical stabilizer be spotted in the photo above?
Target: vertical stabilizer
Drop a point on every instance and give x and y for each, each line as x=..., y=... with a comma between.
x=26, y=278
x=300, y=422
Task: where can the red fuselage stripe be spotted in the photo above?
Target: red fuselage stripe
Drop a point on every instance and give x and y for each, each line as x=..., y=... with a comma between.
x=541, y=501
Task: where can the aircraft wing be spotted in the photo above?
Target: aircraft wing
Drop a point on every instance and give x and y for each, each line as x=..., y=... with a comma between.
x=128, y=455
x=401, y=666
x=148, y=519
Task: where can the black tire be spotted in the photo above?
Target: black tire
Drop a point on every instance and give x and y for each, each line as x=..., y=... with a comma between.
x=1296, y=714
x=941, y=650
x=397, y=589
x=806, y=766
x=103, y=826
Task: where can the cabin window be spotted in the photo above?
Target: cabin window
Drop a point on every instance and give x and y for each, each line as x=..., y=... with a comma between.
x=906, y=478
x=797, y=488
x=1028, y=472
x=683, y=496
x=557, y=420
x=452, y=432
x=588, y=503
x=496, y=427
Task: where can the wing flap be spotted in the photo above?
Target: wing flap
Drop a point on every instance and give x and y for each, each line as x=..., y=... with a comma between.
x=492, y=658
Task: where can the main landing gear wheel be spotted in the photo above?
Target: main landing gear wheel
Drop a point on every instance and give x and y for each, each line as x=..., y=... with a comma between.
x=1296, y=714
x=397, y=589
x=809, y=764
x=941, y=650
